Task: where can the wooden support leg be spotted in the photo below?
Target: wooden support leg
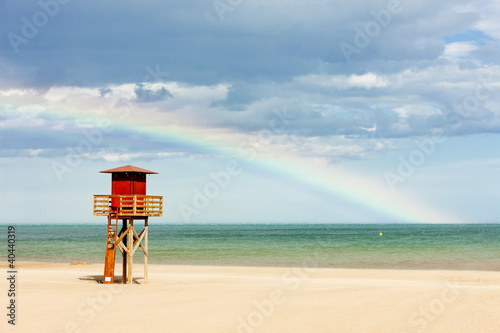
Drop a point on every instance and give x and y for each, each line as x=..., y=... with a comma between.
x=109, y=261
x=146, y=251
x=124, y=254
x=130, y=248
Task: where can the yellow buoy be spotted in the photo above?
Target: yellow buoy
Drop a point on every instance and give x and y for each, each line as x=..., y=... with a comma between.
x=380, y=234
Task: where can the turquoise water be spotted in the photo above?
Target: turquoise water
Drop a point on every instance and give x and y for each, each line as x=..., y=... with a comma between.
x=408, y=246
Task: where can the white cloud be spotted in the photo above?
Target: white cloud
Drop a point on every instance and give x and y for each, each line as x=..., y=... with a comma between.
x=489, y=12
x=11, y=92
x=367, y=81
x=64, y=92
x=459, y=50
x=127, y=157
x=343, y=82
x=405, y=111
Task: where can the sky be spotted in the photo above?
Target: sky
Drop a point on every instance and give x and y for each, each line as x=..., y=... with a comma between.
x=299, y=111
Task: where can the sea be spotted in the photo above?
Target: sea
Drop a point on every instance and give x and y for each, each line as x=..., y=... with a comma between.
x=380, y=246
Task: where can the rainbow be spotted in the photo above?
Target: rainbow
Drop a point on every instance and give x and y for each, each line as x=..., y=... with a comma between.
x=333, y=181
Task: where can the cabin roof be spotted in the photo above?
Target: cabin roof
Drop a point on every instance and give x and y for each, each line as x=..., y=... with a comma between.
x=128, y=168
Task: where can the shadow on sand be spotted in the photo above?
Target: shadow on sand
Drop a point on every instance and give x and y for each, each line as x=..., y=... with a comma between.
x=100, y=278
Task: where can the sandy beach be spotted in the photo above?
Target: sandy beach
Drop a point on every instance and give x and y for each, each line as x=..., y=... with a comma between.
x=56, y=297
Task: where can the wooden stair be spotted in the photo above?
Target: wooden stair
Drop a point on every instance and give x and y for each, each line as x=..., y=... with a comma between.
x=109, y=261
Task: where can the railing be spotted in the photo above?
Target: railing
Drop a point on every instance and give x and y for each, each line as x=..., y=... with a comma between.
x=128, y=205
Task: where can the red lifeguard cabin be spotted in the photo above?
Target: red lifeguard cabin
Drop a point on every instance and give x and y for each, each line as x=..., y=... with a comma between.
x=128, y=201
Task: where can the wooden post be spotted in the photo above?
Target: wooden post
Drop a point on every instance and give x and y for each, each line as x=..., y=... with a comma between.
x=109, y=261
x=130, y=248
x=146, y=252
x=124, y=254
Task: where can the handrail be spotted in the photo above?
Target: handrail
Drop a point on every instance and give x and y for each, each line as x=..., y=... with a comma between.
x=128, y=205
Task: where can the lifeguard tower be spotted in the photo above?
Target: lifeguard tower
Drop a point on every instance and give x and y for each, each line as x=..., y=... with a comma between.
x=128, y=201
